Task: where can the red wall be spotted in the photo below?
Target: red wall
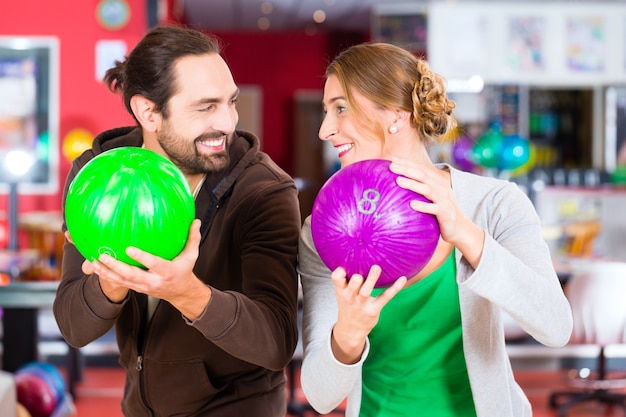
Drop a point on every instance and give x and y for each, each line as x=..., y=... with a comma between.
x=281, y=63
x=276, y=63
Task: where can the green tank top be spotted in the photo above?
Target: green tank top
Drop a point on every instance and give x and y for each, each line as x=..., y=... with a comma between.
x=416, y=365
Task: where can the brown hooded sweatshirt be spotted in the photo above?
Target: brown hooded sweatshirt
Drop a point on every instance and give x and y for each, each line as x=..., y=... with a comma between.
x=230, y=361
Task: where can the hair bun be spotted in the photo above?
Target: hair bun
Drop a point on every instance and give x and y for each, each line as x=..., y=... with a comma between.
x=432, y=107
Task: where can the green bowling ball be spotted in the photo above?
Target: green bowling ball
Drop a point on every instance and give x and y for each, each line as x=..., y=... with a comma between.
x=129, y=197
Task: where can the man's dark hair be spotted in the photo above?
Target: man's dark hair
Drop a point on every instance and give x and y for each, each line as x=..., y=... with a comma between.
x=148, y=70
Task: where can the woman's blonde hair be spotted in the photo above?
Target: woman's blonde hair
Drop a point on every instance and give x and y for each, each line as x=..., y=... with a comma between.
x=392, y=77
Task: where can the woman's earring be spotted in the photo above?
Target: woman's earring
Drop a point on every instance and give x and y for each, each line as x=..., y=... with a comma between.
x=393, y=129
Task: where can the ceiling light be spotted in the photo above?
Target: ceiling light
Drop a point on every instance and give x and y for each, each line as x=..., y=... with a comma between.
x=263, y=23
x=473, y=84
x=18, y=162
x=267, y=7
x=319, y=16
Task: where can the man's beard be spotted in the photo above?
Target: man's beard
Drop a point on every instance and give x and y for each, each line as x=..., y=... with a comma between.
x=186, y=156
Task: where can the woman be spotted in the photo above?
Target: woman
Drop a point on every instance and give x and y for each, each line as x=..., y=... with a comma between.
x=431, y=344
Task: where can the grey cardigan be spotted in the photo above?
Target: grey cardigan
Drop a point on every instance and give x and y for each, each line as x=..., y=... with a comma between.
x=515, y=274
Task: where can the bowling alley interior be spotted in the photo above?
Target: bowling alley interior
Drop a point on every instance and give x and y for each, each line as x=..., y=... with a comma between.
x=540, y=93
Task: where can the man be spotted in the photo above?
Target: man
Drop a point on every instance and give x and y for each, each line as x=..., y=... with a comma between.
x=210, y=332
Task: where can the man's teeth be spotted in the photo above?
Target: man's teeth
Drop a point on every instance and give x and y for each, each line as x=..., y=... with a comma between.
x=212, y=142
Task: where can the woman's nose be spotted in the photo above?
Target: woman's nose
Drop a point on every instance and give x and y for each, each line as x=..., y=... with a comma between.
x=327, y=130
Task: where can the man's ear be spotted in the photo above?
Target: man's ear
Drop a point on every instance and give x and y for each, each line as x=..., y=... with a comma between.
x=143, y=109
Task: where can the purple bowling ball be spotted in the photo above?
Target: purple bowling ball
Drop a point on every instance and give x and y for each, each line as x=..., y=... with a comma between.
x=462, y=153
x=361, y=217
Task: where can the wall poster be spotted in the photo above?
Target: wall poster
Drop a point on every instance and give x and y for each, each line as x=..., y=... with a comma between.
x=585, y=43
x=545, y=43
x=525, y=49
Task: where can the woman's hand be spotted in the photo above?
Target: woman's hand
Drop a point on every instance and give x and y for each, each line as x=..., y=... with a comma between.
x=434, y=184
x=358, y=311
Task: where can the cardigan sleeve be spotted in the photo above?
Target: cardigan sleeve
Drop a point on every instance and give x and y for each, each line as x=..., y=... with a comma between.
x=325, y=381
x=516, y=271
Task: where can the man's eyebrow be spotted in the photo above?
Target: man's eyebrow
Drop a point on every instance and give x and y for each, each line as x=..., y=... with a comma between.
x=206, y=100
x=213, y=100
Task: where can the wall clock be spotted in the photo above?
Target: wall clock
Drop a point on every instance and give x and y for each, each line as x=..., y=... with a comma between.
x=113, y=14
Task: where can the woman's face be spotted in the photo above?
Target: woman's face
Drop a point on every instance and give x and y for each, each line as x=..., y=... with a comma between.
x=354, y=138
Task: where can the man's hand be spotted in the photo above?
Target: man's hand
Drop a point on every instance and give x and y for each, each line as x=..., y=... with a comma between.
x=173, y=281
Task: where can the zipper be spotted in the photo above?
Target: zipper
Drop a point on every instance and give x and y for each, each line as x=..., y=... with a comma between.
x=142, y=301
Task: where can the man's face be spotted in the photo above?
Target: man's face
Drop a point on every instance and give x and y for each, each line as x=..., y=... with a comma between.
x=197, y=134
